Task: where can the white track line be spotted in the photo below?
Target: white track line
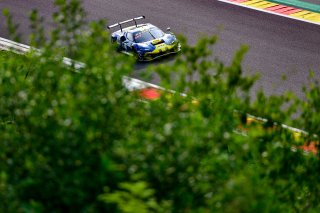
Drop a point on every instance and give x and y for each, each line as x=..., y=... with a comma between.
x=262, y=10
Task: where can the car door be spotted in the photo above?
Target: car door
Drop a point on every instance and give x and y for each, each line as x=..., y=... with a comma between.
x=129, y=42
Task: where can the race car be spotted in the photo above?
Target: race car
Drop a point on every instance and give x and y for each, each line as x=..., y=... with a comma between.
x=144, y=41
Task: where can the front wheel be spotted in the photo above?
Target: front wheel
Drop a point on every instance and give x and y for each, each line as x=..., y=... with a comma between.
x=138, y=56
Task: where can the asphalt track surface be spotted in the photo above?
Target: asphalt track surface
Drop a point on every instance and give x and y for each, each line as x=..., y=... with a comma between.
x=278, y=46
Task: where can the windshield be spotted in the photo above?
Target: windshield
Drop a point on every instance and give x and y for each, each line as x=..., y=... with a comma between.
x=156, y=32
x=144, y=36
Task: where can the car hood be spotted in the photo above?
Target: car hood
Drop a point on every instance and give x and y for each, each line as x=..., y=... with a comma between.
x=167, y=39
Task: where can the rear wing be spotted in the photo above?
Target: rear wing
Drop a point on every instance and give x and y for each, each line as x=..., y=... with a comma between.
x=126, y=21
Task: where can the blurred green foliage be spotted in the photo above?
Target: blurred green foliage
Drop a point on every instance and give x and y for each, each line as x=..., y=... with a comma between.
x=78, y=141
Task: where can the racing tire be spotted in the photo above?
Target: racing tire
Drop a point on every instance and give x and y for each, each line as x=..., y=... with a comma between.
x=137, y=56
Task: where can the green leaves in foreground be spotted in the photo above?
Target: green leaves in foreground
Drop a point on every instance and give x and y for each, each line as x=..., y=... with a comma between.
x=134, y=196
x=78, y=141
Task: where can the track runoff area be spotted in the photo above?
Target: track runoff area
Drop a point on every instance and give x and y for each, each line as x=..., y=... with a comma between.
x=278, y=9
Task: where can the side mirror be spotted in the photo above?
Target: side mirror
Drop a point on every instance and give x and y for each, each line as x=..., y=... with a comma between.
x=122, y=38
x=168, y=29
x=113, y=39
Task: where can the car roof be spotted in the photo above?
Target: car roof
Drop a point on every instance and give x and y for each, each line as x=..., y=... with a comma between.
x=138, y=28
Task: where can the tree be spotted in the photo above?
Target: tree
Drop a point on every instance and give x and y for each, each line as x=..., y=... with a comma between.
x=78, y=141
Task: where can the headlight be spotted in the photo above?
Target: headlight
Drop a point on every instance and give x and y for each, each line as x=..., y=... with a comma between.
x=145, y=48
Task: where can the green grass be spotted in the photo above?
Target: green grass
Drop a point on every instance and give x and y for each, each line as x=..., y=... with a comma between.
x=7, y=54
x=4, y=53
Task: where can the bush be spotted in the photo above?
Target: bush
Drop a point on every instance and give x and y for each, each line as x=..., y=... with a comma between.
x=78, y=141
